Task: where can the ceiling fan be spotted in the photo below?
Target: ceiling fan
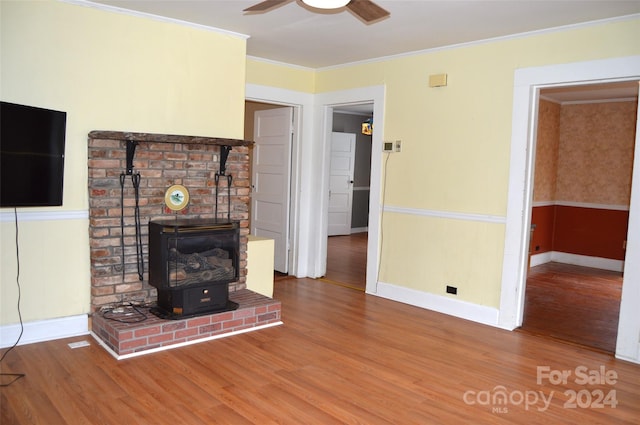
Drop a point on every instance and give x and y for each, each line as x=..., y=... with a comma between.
x=367, y=10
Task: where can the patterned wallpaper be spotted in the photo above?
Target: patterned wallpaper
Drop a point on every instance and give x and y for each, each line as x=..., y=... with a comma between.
x=594, y=157
x=547, y=151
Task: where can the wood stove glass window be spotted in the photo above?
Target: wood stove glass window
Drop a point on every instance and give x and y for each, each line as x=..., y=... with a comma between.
x=200, y=259
x=187, y=255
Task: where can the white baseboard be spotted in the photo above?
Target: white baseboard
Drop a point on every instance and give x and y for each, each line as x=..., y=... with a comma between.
x=44, y=330
x=578, y=260
x=539, y=259
x=462, y=309
x=359, y=230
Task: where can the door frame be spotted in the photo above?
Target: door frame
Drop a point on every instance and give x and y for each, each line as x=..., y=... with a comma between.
x=527, y=85
x=302, y=109
x=310, y=173
x=291, y=123
x=325, y=104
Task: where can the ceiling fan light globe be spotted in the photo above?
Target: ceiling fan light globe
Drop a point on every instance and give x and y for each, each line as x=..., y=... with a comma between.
x=326, y=4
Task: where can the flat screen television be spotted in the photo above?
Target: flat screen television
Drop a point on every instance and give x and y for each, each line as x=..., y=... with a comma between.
x=32, y=142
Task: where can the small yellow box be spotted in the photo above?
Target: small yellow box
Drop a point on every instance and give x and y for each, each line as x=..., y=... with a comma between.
x=437, y=80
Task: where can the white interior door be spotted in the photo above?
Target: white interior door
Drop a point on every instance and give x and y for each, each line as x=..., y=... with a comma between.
x=343, y=155
x=271, y=176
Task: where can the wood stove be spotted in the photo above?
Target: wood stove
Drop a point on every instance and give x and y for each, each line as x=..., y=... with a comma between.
x=191, y=263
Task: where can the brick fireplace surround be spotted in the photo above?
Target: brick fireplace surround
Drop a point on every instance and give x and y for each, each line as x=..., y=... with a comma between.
x=162, y=161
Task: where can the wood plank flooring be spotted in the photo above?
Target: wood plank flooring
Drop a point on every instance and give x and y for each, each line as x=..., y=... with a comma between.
x=575, y=304
x=347, y=260
x=341, y=356
x=572, y=303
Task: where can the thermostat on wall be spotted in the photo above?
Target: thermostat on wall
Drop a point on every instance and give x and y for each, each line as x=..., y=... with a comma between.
x=392, y=146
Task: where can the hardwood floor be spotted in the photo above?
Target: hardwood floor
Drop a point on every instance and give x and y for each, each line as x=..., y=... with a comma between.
x=341, y=356
x=575, y=304
x=347, y=260
x=572, y=303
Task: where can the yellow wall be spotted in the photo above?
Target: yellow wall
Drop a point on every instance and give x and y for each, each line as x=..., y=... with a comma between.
x=108, y=71
x=455, y=151
x=271, y=74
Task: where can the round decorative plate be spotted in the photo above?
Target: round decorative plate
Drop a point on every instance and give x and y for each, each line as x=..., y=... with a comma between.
x=176, y=197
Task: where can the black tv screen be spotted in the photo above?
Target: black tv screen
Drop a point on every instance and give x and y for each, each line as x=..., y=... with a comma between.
x=32, y=144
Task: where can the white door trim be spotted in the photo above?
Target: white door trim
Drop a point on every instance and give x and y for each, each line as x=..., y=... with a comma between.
x=323, y=118
x=527, y=84
x=271, y=180
x=302, y=104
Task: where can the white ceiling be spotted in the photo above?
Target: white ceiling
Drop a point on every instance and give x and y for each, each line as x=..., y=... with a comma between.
x=296, y=34
x=592, y=92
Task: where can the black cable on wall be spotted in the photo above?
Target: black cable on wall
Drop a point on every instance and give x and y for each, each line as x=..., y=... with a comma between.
x=15, y=376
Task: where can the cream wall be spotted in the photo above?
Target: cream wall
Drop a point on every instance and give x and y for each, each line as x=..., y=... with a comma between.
x=108, y=71
x=446, y=192
x=455, y=153
x=271, y=74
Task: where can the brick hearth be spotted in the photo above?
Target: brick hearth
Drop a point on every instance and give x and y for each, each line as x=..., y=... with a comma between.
x=125, y=340
x=162, y=161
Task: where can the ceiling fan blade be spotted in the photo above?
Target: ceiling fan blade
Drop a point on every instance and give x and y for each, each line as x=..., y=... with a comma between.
x=265, y=5
x=367, y=10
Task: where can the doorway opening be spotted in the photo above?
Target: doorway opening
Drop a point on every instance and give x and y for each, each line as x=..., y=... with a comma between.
x=528, y=83
x=273, y=129
x=580, y=212
x=584, y=147
x=310, y=171
x=349, y=196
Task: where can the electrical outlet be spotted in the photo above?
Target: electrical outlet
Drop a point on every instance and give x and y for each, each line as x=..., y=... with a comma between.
x=398, y=145
x=387, y=147
x=452, y=290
